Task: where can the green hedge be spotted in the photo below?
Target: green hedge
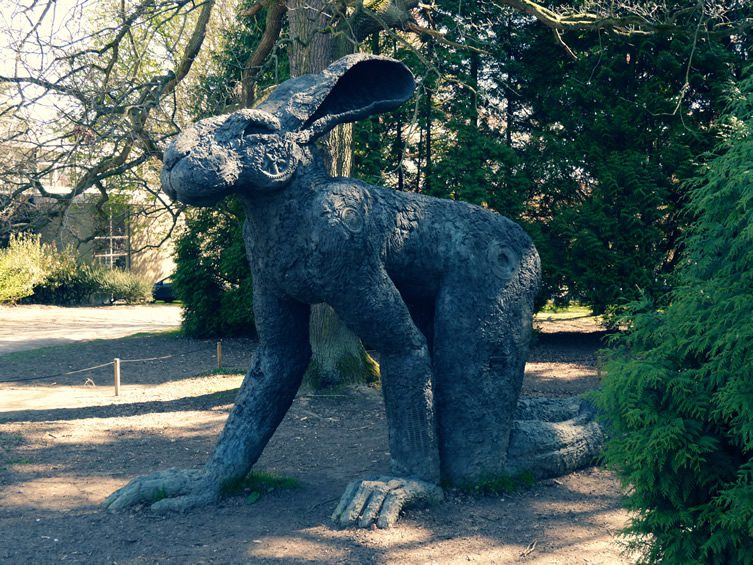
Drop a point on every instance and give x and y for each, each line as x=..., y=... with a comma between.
x=212, y=277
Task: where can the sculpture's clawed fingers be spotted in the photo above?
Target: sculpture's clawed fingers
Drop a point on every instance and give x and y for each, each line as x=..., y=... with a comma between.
x=380, y=501
x=172, y=489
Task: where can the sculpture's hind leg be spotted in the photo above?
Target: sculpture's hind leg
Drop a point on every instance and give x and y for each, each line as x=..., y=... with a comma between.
x=480, y=346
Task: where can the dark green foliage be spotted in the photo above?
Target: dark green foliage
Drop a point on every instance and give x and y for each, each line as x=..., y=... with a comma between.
x=609, y=142
x=588, y=155
x=679, y=391
x=449, y=142
x=212, y=277
x=218, y=90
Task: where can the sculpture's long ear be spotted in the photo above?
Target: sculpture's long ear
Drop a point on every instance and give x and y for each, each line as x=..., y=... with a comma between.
x=350, y=89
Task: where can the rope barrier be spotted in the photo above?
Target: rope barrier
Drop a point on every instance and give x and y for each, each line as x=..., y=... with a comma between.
x=58, y=375
x=160, y=358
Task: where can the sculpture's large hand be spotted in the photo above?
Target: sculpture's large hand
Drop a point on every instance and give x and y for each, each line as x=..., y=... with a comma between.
x=379, y=501
x=168, y=490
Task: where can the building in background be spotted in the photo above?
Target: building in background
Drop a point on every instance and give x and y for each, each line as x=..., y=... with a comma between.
x=130, y=230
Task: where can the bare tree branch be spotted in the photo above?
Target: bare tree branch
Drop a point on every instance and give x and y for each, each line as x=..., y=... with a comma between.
x=91, y=95
x=91, y=107
x=276, y=10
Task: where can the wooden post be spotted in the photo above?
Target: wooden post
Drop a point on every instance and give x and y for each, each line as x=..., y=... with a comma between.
x=116, y=369
x=219, y=355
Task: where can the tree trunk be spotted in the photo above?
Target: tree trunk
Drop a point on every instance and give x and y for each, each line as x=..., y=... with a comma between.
x=509, y=109
x=338, y=356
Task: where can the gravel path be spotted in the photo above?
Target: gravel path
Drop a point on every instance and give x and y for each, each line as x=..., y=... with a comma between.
x=29, y=327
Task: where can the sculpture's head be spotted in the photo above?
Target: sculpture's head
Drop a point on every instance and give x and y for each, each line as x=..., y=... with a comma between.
x=259, y=149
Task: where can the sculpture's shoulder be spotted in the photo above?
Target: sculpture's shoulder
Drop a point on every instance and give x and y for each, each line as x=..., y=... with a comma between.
x=352, y=208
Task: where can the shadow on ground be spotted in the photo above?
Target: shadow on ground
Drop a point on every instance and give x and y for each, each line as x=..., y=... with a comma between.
x=57, y=466
x=58, y=472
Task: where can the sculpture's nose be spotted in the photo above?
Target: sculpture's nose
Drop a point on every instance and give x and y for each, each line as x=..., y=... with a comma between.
x=172, y=155
x=167, y=186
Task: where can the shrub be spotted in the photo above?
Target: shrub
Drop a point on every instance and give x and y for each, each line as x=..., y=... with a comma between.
x=32, y=271
x=123, y=285
x=66, y=281
x=679, y=390
x=24, y=264
x=70, y=282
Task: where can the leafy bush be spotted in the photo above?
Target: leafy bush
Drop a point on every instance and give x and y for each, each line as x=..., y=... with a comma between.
x=123, y=285
x=66, y=281
x=24, y=264
x=33, y=271
x=212, y=278
x=679, y=390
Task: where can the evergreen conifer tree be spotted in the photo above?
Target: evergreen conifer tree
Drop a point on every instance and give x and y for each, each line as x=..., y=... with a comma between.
x=678, y=397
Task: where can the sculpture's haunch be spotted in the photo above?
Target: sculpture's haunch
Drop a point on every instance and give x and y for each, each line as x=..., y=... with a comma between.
x=442, y=290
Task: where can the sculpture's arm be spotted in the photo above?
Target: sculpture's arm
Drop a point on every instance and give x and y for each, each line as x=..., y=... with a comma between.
x=269, y=387
x=373, y=308
x=380, y=317
x=265, y=396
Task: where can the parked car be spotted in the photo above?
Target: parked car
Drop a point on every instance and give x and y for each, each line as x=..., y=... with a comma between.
x=163, y=290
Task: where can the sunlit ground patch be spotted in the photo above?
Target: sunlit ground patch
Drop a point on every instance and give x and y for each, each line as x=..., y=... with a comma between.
x=560, y=371
x=22, y=398
x=58, y=493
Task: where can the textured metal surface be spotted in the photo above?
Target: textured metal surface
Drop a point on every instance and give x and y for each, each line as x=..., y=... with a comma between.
x=442, y=290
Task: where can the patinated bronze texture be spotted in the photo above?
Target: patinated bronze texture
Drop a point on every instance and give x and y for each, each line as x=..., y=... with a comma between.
x=442, y=290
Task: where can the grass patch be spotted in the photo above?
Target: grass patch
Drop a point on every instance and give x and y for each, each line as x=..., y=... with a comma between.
x=33, y=354
x=573, y=310
x=258, y=483
x=30, y=354
x=176, y=332
x=22, y=461
x=9, y=441
x=502, y=484
x=235, y=371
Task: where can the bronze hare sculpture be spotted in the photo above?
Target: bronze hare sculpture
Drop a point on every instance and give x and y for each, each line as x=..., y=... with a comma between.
x=442, y=290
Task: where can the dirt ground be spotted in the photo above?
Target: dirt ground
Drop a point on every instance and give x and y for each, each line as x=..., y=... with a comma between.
x=64, y=446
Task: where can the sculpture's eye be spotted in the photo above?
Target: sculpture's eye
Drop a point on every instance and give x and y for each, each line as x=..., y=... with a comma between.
x=256, y=128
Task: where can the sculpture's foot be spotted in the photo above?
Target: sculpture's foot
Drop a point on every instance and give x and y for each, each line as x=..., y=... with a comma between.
x=551, y=437
x=168, y=490
x=380, y=501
